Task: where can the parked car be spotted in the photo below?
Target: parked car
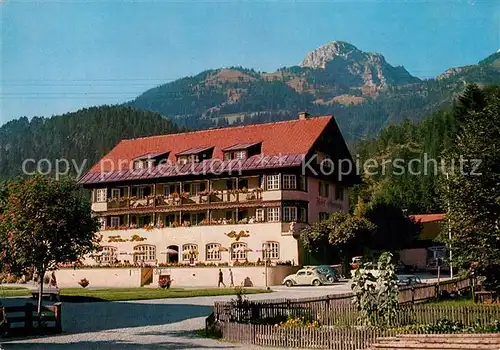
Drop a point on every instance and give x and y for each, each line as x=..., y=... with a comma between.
x=368, y=268
x=409, y=280
x=327, y=271
x=305, y=277
x=356, y=262
x=402, y=268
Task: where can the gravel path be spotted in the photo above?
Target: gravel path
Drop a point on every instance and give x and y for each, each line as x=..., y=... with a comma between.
x=145, y=324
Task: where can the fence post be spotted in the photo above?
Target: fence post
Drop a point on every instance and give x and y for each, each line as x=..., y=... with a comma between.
x=58, y=317
x=28, y=318
x=436, y=287
x=412, y=294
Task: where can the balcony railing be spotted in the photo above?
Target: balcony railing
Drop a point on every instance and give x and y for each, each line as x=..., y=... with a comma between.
x=176, y=199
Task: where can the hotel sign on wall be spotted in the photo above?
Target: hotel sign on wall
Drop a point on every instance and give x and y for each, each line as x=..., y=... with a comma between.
x=328, y=203
x=237, y=235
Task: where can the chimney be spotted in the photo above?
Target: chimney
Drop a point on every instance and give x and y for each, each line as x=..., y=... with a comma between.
x=303, y=115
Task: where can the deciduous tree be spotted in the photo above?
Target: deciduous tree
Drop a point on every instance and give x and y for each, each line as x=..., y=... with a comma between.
x=45, y=223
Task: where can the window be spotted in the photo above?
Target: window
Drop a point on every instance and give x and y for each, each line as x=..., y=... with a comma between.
x=197, y=218
x=339, y=193
x=228, y=155
x=183, y=160
x=213, y=251
x=144, y=252
x=303, y=183
x=102, y=221
x=324, y=189
x=109, y=255
x=273, y=214
x=301, y=273
x=138, y=164
x=101, y=195
x=166, y=190
x=302, y=214
x=141, y=191
x=273, y=182
x=270, y=250
x=239, y=251
x=115, y=221
x=189, y=251
x=323, y=216
x=259, y=215
x=242, y=183
x=115, y=193
x=289, y=182
x=289, y=214
x=195, y=188
x=240, y=155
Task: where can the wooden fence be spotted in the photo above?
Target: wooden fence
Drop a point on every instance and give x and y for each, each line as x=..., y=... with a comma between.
x=302, y=337
x=325, y=308
x=350, y=336
x=24, y=320
x=257, y=322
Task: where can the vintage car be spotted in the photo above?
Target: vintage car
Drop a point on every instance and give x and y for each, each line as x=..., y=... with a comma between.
x=305, y=277
x=409, y=280
x=330, y=274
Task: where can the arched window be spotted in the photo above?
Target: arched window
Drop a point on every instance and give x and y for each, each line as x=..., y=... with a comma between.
x=239, y=251
x=109, y=255
x=270, y=250
x=213, y=251
x=144, y=252
x=189, y=251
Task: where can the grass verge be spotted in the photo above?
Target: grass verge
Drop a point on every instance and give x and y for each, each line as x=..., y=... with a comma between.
x=125, y=294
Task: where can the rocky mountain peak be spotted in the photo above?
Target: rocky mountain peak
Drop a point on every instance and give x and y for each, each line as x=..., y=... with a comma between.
x=324, y=54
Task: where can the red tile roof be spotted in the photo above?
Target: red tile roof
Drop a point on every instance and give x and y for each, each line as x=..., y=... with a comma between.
x=428, y=217
x=216, y=166
x=282, y=138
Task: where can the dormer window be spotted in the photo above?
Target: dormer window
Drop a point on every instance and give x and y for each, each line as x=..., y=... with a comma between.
x=242, y=150
x=240, y=154
x=194, y=155
x=149, y=160
x=138, y=164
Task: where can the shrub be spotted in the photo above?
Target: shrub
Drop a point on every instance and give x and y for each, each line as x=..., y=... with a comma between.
x=299, y=322
x=84, y=282
x=448, y=326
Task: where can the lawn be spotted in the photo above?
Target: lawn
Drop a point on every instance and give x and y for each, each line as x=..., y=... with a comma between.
x=124, y=294
x=13, y=292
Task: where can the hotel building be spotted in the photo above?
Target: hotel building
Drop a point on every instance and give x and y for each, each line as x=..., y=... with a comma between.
x=221, y=195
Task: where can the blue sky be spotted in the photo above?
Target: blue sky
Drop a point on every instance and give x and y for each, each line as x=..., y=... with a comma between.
x=59, y=56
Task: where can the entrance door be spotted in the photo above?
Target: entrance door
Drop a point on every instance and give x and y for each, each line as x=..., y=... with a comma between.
x=173, y=258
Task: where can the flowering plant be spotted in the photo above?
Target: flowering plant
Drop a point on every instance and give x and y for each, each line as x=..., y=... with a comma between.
x=165, y=281
x=84, y=282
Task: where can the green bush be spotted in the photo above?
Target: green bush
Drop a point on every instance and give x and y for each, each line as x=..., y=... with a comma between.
x=448, y=326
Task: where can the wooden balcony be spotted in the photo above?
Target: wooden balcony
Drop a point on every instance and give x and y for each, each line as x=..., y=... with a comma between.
x=181, y=200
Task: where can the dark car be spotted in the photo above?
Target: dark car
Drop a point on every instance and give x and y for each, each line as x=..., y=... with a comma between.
x=404, y=269
x=409, y=280
x=327, y=271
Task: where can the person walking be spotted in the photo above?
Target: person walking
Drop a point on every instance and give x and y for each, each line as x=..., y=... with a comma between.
x=231, y=278
x=221, y=279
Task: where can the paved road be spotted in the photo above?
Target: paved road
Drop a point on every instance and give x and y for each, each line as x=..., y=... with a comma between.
x=146, y=324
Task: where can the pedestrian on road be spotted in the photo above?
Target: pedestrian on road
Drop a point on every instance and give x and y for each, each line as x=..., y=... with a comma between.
x=231, y=278
x=221, y=279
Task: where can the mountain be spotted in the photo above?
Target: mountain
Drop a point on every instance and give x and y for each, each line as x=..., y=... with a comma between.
x=81, y=138
x=371, y=70
x=361, y=89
